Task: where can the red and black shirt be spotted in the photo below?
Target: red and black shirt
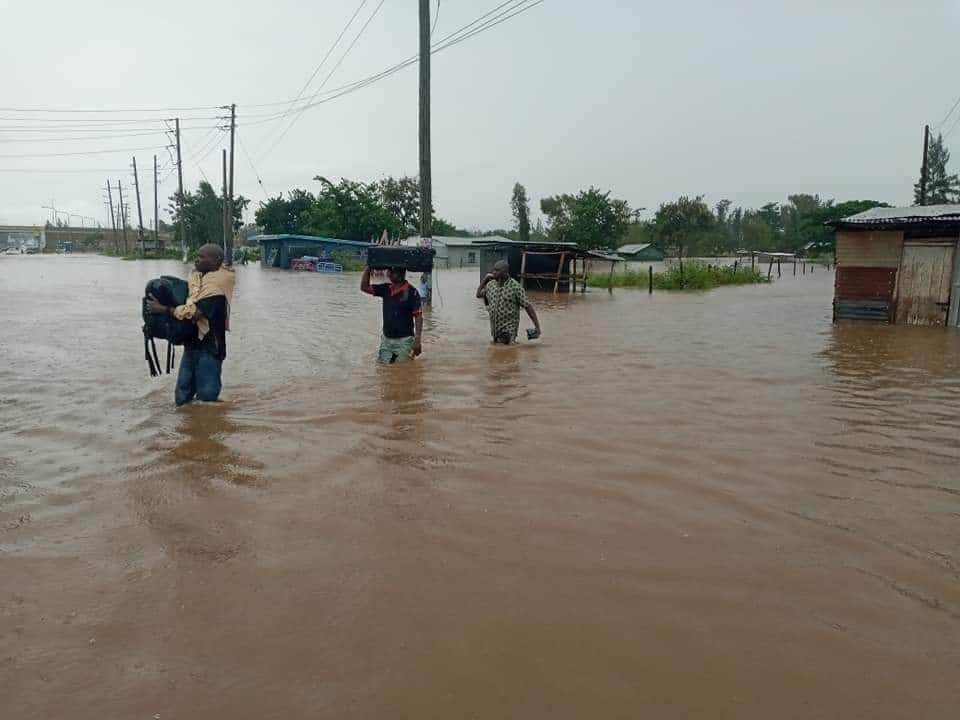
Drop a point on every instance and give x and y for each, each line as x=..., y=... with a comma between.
x=401, y=304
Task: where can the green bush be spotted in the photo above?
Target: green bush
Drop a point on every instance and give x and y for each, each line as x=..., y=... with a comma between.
x=695, y=276
x=349, y=261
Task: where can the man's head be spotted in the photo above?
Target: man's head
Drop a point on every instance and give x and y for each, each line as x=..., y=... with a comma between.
x=501, y=270
x=397, y=275
x=209, y=258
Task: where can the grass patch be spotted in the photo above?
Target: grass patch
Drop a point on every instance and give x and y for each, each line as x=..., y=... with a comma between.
x=349, y=261
x=695, y=276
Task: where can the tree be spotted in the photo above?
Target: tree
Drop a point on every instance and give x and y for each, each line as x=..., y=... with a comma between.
x=279, y=216
x=402, y=198
x=520, y=205
x=442, y=228
x=796, y=214
x=203, y=212
x=942, y=187
x=756, y=231
x=681, y=223
x=820, y=236
x=349, y=210
x=591, y=219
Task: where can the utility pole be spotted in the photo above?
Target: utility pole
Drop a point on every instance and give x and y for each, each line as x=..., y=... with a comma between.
x=228, y=239
x=156, y=207
x=226, y=203
x=136, y=185
x=182, y=223
x=123, y=216
x=426, y=180
x=924, y=169
x=113, y=220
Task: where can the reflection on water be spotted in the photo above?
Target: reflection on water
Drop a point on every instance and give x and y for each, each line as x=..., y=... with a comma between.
x=699, y=505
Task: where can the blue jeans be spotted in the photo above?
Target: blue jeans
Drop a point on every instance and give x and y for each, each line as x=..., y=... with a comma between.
x=199, y=377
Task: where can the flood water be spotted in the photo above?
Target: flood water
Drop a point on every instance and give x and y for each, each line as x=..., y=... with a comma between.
x=710, y=505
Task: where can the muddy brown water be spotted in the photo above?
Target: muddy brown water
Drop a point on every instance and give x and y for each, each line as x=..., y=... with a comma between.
x=708, y=505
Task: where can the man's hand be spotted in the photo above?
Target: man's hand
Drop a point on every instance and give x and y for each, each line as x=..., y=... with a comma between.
x=417, y=347
x=154, y=307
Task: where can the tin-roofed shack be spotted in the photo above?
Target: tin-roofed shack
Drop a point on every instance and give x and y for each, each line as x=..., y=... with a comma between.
x=279, y=250
x=556, y=266
x=899, y=265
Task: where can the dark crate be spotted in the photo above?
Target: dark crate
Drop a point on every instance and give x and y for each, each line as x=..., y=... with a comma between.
x=412, y=259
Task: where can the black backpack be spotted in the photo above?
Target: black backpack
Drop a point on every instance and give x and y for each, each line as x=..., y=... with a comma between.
x=170, y=291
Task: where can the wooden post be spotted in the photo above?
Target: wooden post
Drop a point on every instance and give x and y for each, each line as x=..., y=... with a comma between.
x=182, y=224
x=770, y=269
x=156, y=206
x=225, y=203
x=650, y=280
x=122, y=212
x=228, y=246
x=523, y=267
x=113, y=219
x=794, y=267
x=924, y=168
x=778, y=268
x=753, y=261
x=426, y=176
x=136, y=185
x=556, y=284
x=613, y=264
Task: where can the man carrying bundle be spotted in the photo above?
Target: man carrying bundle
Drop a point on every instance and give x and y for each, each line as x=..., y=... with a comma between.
x=504, y=297
x=208, y=306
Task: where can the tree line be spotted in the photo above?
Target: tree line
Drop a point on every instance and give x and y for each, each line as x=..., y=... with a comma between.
x=592, y=219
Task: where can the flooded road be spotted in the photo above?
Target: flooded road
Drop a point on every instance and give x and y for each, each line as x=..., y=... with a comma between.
x=675, y=506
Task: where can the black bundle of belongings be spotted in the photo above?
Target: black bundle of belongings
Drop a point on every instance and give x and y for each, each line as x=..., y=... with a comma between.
x=170, y=291
x=401, y=257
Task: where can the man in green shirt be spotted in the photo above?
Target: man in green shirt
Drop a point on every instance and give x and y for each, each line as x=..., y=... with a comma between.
x=504, y=297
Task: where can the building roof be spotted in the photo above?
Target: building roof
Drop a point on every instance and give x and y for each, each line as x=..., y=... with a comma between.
x=884, y=218
x=538, y=246
x=309, y=238
x=451, y=241
x=633, y=249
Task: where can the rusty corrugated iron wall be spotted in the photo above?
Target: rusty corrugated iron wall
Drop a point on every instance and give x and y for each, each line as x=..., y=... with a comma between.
x=866, y=279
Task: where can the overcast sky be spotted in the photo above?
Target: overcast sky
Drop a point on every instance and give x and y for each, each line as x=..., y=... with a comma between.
x=746, y=100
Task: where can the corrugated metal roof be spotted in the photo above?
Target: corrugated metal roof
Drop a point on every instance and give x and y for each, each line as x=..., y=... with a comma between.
x=634, y=248
x=919, y=213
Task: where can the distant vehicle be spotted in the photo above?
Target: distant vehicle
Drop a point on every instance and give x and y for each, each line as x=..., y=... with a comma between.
x=11, y=251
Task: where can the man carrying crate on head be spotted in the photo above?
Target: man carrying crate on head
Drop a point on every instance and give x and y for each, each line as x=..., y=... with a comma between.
x=402, y=316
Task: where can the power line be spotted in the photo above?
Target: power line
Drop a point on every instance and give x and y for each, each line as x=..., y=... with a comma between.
x=102, y=121
x=109, y=110
x=329, y=52
x=436, y=18
x=464, y=33
x=299, y=112
x=947, y=116
x=28, y=171
x=86, y=152
x=88, y=129
x=246, y=154
x=447, y=41
x=82, y=139
x=952, y=128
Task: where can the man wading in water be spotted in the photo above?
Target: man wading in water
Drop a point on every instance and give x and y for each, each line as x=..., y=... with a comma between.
x=504, y=297
x=208, y=305
x=402, y=316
